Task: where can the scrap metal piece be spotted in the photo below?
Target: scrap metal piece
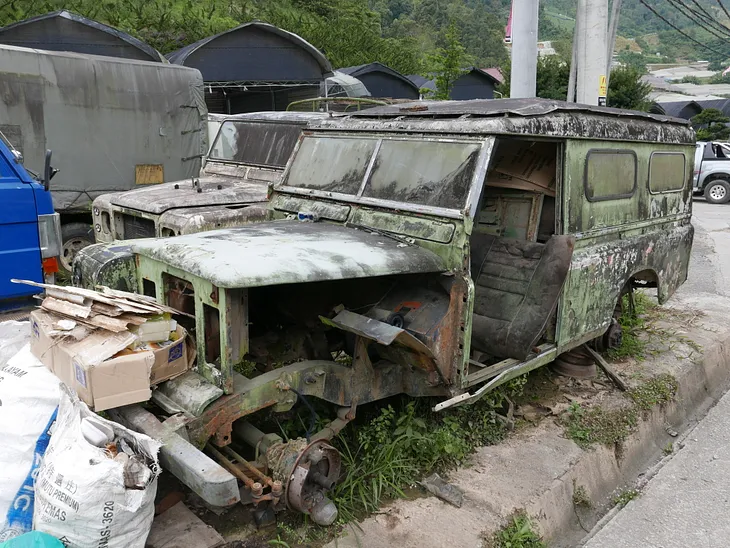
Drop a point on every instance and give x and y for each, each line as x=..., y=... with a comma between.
x=383, y=333
x=190, y=391
x=204, y=476
x=448, y=492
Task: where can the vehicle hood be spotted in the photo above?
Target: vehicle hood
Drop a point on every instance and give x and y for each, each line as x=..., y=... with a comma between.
x=157, y=199
x=283, y=252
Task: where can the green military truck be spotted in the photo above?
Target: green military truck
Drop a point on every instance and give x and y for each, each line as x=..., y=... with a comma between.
x=441, y=248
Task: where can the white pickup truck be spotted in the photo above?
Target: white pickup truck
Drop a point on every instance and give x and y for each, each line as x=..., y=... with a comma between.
x=712, y=171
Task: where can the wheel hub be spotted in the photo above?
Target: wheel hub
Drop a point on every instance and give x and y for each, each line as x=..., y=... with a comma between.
x=717, y=192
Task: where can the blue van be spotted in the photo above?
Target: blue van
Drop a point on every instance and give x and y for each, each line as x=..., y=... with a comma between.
x=29, y=228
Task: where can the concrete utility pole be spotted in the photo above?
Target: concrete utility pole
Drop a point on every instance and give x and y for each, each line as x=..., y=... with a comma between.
x=574, y=57
x=523, y=82
x=591, y=53
x=612, y=30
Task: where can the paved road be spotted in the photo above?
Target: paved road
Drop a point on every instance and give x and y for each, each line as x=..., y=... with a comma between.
x=687, y=504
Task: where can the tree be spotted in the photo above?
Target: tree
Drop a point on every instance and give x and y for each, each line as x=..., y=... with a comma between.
x=553, y=74
x=711, y=125
x=449, y=63
x=627, y=90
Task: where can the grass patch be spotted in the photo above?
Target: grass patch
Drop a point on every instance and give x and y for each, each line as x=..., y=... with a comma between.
x=623, y=498
x=655, y=391
x=392, y=444
x=588, y=426
x=406, y=440
x=518, y=533
x=632, y=343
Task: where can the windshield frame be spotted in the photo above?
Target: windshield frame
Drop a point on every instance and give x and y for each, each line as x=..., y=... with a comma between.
x=486, y=144
x=209, y=158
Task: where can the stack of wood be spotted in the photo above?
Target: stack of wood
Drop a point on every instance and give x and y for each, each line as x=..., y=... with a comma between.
x=82, y=311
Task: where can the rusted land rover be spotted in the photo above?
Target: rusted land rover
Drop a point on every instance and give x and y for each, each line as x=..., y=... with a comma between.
x=444, y=248
x=248, y=153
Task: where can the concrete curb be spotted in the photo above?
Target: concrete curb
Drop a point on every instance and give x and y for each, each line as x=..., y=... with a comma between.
x=538, y=469
x=603, y=473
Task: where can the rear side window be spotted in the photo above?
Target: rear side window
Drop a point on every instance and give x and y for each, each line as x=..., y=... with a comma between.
x=610, y=175
x=666, y=172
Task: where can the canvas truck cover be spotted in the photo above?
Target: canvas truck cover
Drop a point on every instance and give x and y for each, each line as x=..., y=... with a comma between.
x=113, y=124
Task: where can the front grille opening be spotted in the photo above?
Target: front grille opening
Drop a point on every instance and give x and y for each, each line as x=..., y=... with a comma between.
x=137, y=227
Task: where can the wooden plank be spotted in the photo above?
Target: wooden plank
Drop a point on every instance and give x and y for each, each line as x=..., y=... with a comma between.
x=603, y=364
x=178, y=527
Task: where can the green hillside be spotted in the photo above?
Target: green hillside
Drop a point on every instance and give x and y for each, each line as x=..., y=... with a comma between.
x=404, y=34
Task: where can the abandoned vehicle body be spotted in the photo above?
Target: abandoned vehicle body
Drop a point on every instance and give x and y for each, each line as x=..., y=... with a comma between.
x=432, y=249
x=249, y=152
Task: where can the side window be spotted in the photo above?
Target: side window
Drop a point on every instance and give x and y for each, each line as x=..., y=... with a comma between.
x=610, y=175
x=666, y=172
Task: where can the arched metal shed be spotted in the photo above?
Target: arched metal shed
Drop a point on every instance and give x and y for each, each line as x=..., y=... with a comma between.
x=383, y=81
x=67, y=31
x=254, y=67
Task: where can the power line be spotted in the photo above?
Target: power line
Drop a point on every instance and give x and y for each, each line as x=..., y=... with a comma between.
x=710, y=18
x=677, y=3
x=723, y=8
x=680, y=31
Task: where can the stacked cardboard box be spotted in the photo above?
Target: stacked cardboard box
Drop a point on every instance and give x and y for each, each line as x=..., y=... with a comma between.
x=109, y=346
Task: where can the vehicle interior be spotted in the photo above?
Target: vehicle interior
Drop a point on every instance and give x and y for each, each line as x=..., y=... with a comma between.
x=518, y=262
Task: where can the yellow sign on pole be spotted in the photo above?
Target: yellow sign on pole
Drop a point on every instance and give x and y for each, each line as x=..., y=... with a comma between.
x=602, y=87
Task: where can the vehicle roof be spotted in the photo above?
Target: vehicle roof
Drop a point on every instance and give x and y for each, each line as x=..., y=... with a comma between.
x=500, y=107
x=281, y=252
x=270, y=116
x=540, y=117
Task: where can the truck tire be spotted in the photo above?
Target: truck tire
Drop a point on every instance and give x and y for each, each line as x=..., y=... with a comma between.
x=74, y=236
x=717, y=192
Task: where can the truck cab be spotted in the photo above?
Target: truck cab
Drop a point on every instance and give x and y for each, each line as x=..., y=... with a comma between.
x=30, y=232
x=249, y=153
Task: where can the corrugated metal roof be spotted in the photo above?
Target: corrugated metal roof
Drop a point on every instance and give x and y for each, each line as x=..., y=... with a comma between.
x=153, y=54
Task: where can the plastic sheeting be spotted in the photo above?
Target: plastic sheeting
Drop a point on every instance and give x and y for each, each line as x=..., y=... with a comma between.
x=101, y=116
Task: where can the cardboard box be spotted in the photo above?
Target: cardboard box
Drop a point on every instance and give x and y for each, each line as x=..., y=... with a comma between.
x=101, y=380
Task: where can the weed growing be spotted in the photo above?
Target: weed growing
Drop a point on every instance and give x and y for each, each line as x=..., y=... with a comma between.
x=588, y=426
x=405, y=440
x=518, y=533
x=632, y=344
x=623, y=498
x=580, y=497
x=391, y=445
x=655, y=391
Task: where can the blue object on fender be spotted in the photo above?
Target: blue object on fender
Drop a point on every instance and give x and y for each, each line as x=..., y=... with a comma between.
x=34, y=539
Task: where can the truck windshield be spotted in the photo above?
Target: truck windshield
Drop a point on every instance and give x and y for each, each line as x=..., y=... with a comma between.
x=259, y=143
x=424, y=172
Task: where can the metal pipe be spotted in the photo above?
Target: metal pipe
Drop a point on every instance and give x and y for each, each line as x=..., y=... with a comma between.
x=248, y=433
x=248, y=482
x=250, y=467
